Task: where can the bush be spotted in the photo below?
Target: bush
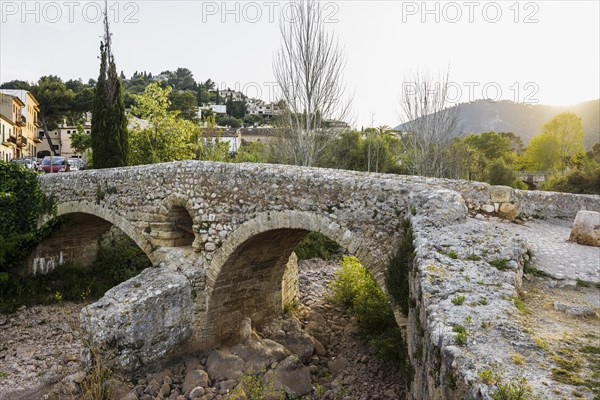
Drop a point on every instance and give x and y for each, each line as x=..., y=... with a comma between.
x=356, y=289
x=315, y=245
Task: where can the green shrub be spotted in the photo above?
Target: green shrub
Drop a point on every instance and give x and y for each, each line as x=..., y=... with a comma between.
x=315, y=245
x=356, y=289
x=514, y=389
x=458, y=300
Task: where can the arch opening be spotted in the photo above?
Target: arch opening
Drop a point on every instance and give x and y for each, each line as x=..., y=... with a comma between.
x=250, y=282
x=181, y=227
x=83, y=257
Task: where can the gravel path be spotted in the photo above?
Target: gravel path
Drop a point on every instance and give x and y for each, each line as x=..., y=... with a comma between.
x=554, y=254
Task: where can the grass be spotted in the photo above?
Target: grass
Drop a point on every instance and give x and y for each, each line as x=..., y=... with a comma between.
x=499, y=263
x=517, y=358
x=452, y=254
x=461, y=335
x=520, y=305
x=514, y=389
x=542, y=344
x=458, y=300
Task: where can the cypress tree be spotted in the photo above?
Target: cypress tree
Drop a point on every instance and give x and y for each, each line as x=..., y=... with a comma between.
x=109, y=124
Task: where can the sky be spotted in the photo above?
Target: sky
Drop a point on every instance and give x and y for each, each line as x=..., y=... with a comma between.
x=544, y=52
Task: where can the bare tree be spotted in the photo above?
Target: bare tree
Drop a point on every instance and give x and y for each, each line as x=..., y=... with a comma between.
x=430, y=122
x=309, y=70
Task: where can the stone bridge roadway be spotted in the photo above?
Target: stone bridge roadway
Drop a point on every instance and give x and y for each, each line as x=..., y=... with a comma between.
x=223, y=234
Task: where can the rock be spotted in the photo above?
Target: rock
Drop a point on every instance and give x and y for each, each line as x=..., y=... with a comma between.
x=390, y=394
x=258, y=354
x=337, y=365
x=507, y=210
x=245, y=330
x=130, y=396
x=141, y=320
x=221, y=365
x=196, y=392
x=586, y=228
x=301, y=344
x=194, y=378
x=291, y=375
x=500, y=194
x=576, y=311
x=439, y=207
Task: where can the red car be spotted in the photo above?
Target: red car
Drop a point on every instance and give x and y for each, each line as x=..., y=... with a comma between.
x=54, y=164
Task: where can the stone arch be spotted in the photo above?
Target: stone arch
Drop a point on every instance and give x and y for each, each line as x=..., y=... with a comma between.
x=244, y=276
x=177, y=225
x=83, y=207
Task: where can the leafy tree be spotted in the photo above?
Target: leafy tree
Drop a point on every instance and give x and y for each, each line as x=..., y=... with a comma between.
x=55, y=100
x=181, y=79
x=110, y=143
x=167, y=137
x=185, y=102
x=492, y=145
x=516, y=142
x=81, y=141
x=500, y=174
x=229, y=121
x=559, y=140
x=17, y=85
x=255, y=152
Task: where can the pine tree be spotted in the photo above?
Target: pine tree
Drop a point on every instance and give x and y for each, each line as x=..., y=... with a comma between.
x=109, y=124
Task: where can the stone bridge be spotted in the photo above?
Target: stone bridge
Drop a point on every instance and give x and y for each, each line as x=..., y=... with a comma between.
x=222, y=235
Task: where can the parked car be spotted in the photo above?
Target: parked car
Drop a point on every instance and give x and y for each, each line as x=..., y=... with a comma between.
x=76, y=164
x=54, y=164
x=26, y=162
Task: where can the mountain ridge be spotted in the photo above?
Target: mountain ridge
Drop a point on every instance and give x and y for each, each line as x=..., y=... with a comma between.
x=524, y=120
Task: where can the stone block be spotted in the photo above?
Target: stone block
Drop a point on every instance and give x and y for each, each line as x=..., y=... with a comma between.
x=141, y=320
x=500, y=194
x=586, y=228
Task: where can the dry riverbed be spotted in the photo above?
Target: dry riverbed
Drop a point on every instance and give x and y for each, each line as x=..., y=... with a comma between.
x=317, y=350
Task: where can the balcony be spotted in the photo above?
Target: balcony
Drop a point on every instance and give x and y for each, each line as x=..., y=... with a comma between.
x=22, y=142
x=10, y=141
x=21, y=121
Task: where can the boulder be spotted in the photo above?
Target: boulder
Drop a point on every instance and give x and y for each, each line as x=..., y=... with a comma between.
x=291, y=376
x=222, y=365
x=586, y=228
x=140, y=321
x=195, y=378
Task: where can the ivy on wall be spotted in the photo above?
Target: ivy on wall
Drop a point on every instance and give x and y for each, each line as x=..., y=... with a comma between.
x=22, y=203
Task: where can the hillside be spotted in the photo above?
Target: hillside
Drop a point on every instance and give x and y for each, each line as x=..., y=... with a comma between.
x=524, y=120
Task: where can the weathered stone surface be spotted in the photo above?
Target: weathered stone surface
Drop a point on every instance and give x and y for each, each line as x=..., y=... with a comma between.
x=291, y=375
x=222, y=365
x=586, y=228
x=194, y=378
x=141, y=320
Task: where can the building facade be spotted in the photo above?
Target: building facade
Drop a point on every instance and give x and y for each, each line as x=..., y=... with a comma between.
x=27, y=123
x=11, y=125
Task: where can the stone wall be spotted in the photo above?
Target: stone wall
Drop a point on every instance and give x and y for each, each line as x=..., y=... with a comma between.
x=290, y=284
x=74, y=242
